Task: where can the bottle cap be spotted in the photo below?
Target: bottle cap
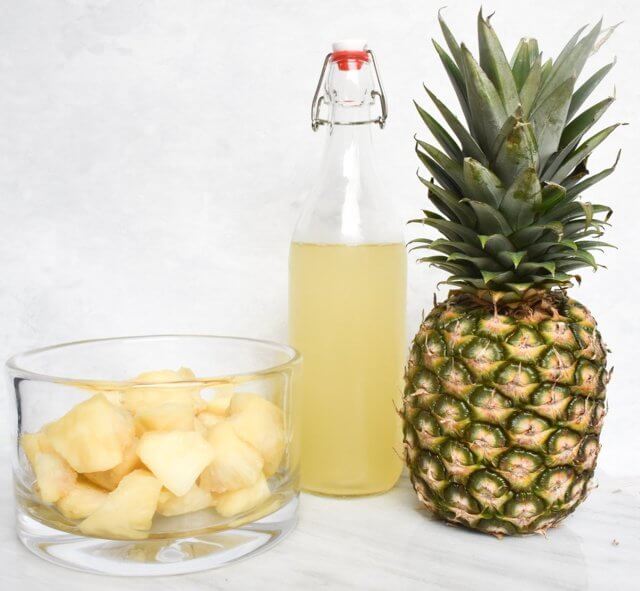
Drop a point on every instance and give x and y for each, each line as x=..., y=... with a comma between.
x=349, y=54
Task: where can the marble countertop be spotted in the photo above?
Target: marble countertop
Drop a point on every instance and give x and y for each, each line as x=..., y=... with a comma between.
x=388, y=543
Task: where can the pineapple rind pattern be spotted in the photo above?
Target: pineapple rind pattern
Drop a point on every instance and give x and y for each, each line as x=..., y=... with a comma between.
x=510, y=449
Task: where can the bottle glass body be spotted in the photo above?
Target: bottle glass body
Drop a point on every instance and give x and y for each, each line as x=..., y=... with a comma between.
x=347, y=297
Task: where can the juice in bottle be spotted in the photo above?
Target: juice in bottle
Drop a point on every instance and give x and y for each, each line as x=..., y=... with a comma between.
x=347, y=292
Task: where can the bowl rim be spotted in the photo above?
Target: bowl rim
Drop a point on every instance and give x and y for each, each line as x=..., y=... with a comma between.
x=12, y=364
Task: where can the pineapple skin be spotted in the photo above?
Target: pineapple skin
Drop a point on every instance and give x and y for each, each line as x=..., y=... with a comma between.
x=502, y=411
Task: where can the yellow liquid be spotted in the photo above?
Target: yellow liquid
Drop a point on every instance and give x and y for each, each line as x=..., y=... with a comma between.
x=347, y=318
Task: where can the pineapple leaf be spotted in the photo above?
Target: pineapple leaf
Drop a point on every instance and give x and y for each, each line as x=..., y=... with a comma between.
x=580, y=154
x=530, y=87
x=451, y=202
x=481, y=183
x=444, y=139
x=469, y=145
x=457, y=81
x=481, y=263
x=529, y=268
x=452, y=168
x=490, y=220
x=549, y=119
x=514, y=257
x=485, y=106
x=583, y=122
x=570, y=61
x=437, y=171
x=581, y=95
x=517, y=151
x=451, y=246
x=452, y=44
x=451, y=230
x=592, y=180
x=496, y=243
x=494, y=63
x=524, y=57
x=552, y=194
x=521, y=199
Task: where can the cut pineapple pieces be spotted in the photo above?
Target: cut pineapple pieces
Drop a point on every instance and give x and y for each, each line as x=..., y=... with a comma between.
x=114, y=460
x=176, y=458
x=195, y=500
x=110, y=479
x=82, y=500
x=127, y=512
x=233, y=503
x=54, y=476
x=161, y=389
x=93, y=435
x=171, y=416
x=260, y=423
x=235, y=465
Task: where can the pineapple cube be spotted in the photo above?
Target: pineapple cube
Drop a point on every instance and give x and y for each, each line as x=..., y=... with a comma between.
x=175, y=457
x=239, y=501
x=82, y=500
x=209, y=419
x=127, y=512
x=33, y=444
x=219, y=404
x=164, y=387
x=195, y=500
x=235, y=465
x=261, y=424
x=55, y=478
x=93, y=435
x=110, y=479
x=172, y=416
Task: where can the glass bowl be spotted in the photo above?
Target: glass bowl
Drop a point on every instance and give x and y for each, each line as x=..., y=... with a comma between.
x=154, y=455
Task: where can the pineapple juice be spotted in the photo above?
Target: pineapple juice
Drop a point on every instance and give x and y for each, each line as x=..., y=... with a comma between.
x=347, y=315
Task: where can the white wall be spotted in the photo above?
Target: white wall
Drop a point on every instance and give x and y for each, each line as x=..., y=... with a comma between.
x=154, y=156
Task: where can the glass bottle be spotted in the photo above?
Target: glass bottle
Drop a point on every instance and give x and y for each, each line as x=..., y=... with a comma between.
x=347, y=293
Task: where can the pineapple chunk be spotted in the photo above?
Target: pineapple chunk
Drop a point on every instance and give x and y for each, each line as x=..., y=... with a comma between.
x=260, y=423
x=239, y=501
x=82, y=500
x=219, y=404
x=235, y=465
x=175, y=457
x=114, y=397
x=55, y=478
x=172, y=416
x=110, y=479
x=128, y=511
x=195, y=500
x=93, y=435
x=33, y=444
x=209, y=419
x=161, y=391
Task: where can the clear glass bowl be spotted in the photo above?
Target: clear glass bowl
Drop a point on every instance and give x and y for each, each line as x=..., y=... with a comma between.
x=46, y=384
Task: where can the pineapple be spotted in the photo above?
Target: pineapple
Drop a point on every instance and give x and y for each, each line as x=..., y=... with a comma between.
x=82, y=500
x=234, y=502
x=235, y=465
x=505, y=383
x=176, y=458
x=93, y=435
x=110, y=479
x=127, y=512
x=261, y=424
x=153, y=388
x=195, y=500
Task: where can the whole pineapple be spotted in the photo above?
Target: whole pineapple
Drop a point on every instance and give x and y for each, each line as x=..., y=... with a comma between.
x=505, y=384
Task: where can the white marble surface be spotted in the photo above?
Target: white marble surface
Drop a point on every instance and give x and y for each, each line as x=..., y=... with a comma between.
x=388, y=543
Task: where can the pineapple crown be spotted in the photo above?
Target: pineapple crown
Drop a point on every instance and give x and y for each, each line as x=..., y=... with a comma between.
x=508, y=189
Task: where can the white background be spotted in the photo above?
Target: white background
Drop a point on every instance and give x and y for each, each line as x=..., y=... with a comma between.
x=154, y=156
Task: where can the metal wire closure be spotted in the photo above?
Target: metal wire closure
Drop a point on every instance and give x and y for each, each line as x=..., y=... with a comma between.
x=318, y=99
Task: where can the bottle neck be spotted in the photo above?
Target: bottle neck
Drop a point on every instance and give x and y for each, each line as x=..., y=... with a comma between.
x=349, y=148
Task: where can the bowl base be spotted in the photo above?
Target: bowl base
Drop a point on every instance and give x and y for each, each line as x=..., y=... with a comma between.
x=156, y=557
